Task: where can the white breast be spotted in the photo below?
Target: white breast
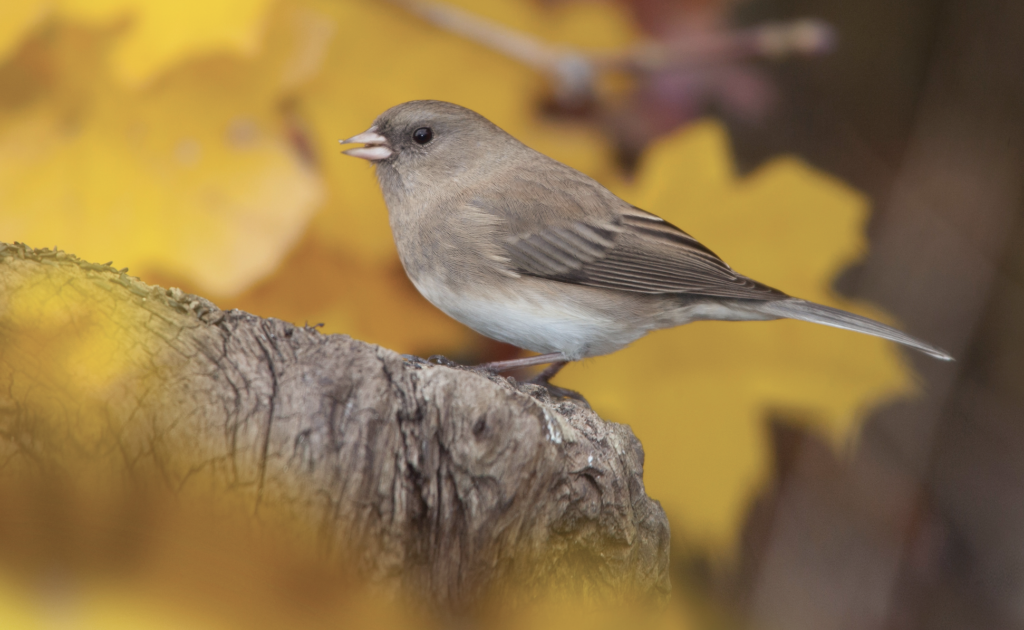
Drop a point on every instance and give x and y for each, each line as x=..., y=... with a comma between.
x=534, y=319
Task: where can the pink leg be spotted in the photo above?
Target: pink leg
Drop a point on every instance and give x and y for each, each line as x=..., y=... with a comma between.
x=511, y=364
x=557, y=361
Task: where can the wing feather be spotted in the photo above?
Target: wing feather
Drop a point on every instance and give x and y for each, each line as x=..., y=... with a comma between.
x=636, y=252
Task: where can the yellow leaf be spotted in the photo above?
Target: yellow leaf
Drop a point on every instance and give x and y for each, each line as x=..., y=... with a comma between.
x=17, y=19
x=162, y=34
x=698, y=396
x=193, y=178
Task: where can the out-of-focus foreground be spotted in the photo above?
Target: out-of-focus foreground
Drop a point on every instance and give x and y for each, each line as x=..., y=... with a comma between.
x=814, y=478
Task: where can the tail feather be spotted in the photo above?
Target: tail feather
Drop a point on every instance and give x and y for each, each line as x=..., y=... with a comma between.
x=811, y=312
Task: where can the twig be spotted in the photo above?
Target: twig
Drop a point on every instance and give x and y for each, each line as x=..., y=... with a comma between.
x=574, y=72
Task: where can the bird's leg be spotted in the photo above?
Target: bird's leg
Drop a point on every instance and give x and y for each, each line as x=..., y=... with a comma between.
x=557, y=361
x=440, y=359
x=544, y=380
x=549, y=372
x=504, y=366
x=417, y=361
x=494, y=367
x=434, y=359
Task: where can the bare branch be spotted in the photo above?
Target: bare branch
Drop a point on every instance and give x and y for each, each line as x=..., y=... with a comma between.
x=574, y=72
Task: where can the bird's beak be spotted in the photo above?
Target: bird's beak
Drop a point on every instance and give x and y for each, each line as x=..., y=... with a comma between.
x=376, y=148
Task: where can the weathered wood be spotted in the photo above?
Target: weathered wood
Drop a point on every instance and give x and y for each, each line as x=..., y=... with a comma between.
x=444, y=481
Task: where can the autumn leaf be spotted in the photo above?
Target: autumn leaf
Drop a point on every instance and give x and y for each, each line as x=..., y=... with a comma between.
x=193, y=178
x=17, y=21
x=698, y=396
x=158, y=35
x=373, y=302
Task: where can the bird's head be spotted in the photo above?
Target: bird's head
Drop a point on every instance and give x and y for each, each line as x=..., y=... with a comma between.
x=431, y=139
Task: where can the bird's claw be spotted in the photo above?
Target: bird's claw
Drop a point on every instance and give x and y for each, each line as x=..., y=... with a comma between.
x=419, y=362
x=440, y=359
x=558, y=392
x=432, y=360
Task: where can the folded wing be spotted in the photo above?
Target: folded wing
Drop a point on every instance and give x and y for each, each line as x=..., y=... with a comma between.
x=631, y=251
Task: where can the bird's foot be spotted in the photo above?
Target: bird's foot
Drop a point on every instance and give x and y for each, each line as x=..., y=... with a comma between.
x=440, y=359
x=432, y=360
x=561, y=393
x=417, y=362
x=544, y=380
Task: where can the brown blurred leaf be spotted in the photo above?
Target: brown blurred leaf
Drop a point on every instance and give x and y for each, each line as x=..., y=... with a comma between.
x=372, y=302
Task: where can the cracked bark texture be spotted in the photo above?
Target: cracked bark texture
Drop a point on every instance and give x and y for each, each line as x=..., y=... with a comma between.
x=442, y=481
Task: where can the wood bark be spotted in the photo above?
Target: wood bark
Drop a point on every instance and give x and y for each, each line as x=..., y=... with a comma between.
x=444, y=481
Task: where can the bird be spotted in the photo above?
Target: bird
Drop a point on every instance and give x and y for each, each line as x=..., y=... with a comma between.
x=528, y=251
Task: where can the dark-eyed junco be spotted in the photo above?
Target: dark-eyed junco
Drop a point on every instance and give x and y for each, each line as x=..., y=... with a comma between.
x=528, y=251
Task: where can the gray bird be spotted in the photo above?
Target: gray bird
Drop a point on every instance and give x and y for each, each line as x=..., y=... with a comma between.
x=529, y=251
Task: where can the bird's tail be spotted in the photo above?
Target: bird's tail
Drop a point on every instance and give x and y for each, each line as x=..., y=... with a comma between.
x=811, y=312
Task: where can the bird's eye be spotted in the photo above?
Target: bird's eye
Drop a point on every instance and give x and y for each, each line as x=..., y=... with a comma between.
x=423, y=135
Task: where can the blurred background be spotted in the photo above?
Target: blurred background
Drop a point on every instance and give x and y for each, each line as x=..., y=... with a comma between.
x=866, y=155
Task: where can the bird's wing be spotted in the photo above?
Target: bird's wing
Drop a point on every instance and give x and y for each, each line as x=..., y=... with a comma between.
x=629, y=250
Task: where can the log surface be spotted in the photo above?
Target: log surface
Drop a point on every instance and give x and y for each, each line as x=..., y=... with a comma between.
x=445, y=481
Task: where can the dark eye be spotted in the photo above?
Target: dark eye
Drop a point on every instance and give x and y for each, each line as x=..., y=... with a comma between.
x=423, y=135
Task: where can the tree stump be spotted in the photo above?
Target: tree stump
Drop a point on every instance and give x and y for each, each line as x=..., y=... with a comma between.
x=442, y=481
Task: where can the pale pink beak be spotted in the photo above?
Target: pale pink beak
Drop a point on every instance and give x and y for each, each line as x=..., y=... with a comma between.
x=376, y=146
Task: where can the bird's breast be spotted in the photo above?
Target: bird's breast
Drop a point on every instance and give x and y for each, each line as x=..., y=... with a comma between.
x=530, y=313
x=451, y=256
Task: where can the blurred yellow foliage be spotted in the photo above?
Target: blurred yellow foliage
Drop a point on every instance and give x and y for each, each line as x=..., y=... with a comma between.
x=196, y=142
x=191, y=177
x=97, y=608
x=18, y=20
x=187, y=567
x=158, y=36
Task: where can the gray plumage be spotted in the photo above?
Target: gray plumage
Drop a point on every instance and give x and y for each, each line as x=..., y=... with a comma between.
x=531, y=252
